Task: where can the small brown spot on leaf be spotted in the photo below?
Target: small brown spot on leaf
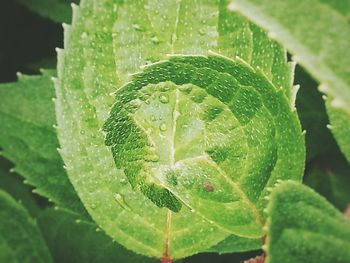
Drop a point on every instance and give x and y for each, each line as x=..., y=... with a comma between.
x=208, y=186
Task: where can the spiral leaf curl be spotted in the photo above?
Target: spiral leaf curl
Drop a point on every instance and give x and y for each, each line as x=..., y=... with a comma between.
x=108, y=38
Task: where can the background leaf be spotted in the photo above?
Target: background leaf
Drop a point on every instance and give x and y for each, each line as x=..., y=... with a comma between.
x=12, y=183
x=29, y=139
x=71, y=240
x=57, y=10
x=20, y=238
x=304, y=227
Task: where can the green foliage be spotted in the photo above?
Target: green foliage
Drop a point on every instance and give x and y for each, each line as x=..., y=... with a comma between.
x=304, y=227
x=20, y=238
x=167, y=128
x=243, y=95
x=56, y=10
x=29, y=139
x=13, y=184
x=322, y=46
x=71, y=240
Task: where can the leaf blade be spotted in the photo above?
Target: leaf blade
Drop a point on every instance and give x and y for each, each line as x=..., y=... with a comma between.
x=303, y=225
x=20, y=238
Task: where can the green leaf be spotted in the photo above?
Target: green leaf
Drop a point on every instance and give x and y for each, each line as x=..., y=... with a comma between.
x=13, y=184
x=20, y=238
x=71, y=241
x=322, y=46
x=29, y=139
x=340, y=124
x=57, y=10
x=304, y=227
x=108, y=41
x=239, y=244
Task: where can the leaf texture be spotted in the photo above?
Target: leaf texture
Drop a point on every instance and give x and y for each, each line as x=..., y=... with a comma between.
x=110, y=40
x=20, y=238
x=322, y=46
x=71, y=240
x=57, y=10
x=28, y=138
x=304, y=227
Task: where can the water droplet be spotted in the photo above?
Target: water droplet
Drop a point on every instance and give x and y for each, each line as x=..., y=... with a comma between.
x=82, y=132
x=120, y=200
x=93, y=206
x=162, y=127
x=137, y=27
x=164, y=98
x=155, y=40
x=153, y=118
x=164, y=88
x=204, y=21
x=201, y=32
x=152, y=158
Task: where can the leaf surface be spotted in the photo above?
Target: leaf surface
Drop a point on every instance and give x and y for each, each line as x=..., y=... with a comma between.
x=57, y=10
x=29, y=139
x=71, y=240
x=13, y=184
x=106, y=43
x=304, y=227
x=20, y=238
x=322, y=46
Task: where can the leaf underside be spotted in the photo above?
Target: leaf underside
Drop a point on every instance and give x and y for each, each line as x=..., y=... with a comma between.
x=304, y=227
x=108, y=41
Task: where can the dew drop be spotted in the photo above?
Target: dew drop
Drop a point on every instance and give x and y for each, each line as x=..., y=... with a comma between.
x=201, y=32
x=137, y=27
x=155, y=40
x=164, y=98
x=153, y=118
x=162, y=127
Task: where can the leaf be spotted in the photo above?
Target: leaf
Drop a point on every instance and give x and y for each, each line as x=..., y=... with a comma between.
x=238, y=243
x=29, y=139
x=304, y=227
x=71, y=240
x=12, y=184
x=106, y=42
x=20, y=238
x=340, y=124
x=328, y=174
x=322, y=46
x=57, y=10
